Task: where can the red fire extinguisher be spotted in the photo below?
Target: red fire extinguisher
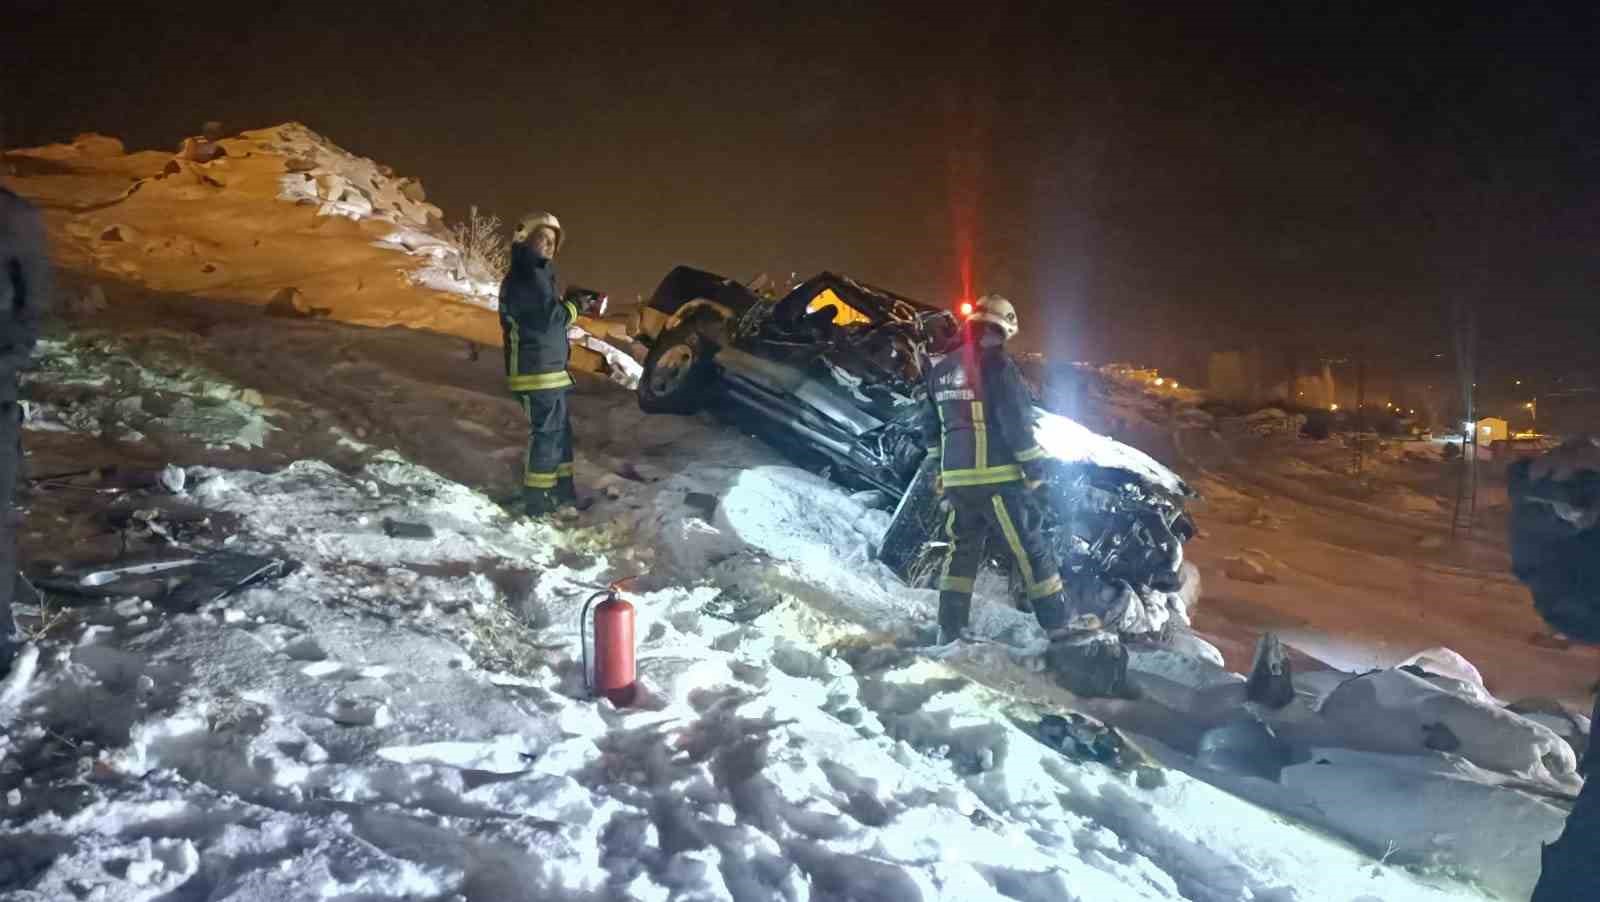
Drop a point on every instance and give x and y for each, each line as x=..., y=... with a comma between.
x=614, y=674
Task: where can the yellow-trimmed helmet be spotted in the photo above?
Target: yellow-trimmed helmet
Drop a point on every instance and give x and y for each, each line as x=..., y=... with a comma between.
x=992, y=308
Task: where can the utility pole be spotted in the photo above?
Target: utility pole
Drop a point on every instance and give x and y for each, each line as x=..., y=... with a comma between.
x=1361, y=410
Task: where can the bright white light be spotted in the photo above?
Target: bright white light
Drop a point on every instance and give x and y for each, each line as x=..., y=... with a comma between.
x=1333, y=407
x=1160, y=382
x=1068, y=440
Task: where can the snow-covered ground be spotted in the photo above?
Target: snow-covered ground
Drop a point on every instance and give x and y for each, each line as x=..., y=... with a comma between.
x=406, y=719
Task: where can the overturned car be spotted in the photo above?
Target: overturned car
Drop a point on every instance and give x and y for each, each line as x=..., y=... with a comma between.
x=832, y=372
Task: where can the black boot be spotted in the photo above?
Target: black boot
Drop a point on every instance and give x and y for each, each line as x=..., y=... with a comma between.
x=539, y=503
x=954, y=610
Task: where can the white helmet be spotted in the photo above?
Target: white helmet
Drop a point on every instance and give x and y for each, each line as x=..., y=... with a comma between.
x=536, y=220
x=992, y=308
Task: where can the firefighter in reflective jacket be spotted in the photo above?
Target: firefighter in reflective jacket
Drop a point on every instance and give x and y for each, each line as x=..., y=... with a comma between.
x=989, y=462
x=534, y=320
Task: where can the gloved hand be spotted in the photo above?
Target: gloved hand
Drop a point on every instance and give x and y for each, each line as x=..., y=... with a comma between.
x=589, y=303
x=1031, y=485
x=938, y=484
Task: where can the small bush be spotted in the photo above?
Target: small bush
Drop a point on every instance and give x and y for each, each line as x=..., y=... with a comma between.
x=485, y=251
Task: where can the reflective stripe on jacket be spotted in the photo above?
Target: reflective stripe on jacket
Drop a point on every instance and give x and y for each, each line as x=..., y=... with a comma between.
x=985, y=418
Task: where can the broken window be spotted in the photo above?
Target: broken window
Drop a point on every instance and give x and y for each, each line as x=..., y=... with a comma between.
x=843, y=314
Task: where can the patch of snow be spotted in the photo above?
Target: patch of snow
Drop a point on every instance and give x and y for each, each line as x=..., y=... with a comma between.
x=508, y=754
x=199, y=404
x=1437, y=814
x=759, y=764
x=1069, y=441
x=339, y=182
x=1394, y=712
x=408, y=720
x=1452, y=665
x=1188, y=670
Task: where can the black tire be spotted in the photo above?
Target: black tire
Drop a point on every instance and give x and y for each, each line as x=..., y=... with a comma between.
x=677, y=372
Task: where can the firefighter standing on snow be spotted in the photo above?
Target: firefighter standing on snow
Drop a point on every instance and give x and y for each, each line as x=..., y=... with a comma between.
x=534, y=319
x=989, y=461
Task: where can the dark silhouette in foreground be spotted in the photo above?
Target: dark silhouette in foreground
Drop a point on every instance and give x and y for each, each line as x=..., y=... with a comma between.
x=1555, y=551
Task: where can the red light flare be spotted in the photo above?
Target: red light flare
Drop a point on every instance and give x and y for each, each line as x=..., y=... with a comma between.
x=966, y=159
x=966, y=309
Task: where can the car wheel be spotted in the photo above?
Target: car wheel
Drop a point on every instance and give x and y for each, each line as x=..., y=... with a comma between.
x=677, y=372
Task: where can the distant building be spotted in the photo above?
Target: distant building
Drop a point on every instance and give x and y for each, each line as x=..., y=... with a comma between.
x=1492, y=429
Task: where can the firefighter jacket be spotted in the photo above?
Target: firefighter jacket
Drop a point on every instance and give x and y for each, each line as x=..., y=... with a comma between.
x=534, y=320
x=24, y=286
x=984, y=431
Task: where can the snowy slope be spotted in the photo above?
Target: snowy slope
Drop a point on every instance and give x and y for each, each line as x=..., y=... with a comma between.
x=405, y=719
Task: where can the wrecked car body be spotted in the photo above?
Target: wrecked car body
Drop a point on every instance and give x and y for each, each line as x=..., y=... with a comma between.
x=832, y=371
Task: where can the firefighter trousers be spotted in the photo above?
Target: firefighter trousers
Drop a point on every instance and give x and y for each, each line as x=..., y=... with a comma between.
x=976, y=513
x=547, y=471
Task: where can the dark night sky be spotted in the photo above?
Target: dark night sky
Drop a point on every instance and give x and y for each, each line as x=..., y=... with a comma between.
x=1141, y=183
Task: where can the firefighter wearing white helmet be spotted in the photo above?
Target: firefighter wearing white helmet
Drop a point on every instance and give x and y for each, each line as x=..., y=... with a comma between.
x=981, y=432
x=534, y=320
x=992, y=308
x=534, y=221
